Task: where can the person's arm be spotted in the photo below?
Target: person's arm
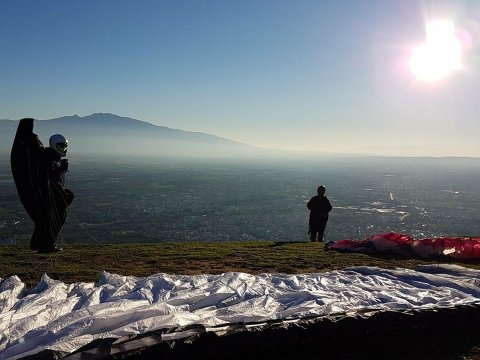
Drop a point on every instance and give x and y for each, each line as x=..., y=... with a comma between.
x=329, y=206
x=26, y=135
x=25, y=128
x=309, y=204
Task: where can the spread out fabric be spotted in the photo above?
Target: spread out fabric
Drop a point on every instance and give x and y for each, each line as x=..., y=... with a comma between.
x=405, y=245
x=64, y=317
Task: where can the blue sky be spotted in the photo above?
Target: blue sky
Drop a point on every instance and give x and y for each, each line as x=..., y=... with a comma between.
x=305, y=75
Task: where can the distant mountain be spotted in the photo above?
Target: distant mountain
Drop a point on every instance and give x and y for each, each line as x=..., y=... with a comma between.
x=105, y=133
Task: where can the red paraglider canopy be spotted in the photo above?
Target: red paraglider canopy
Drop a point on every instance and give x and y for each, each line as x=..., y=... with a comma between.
x=401, y=244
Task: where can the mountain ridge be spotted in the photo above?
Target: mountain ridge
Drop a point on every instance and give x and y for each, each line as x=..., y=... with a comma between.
x=113, y=119
x=125, y=135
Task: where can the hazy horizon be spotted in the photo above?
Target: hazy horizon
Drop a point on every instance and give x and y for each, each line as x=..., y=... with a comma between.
x=341, y=77
x=151, y=147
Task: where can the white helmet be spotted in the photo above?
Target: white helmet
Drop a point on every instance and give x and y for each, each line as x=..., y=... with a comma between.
x=59, y=143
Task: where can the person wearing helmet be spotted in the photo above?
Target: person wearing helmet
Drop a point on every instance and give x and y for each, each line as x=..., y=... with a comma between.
x=59, y=144
x=39, y=174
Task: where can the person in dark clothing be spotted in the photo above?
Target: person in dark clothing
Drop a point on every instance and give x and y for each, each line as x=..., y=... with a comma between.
x=39, y=174
x=319, y=207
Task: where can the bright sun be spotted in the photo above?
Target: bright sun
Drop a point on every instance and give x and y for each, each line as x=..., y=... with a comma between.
x=439, y=55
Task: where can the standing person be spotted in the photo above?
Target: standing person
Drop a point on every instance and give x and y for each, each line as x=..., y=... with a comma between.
x=39, y=174
x=319, y=207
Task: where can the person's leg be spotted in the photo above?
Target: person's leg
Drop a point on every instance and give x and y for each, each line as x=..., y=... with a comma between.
x=313, y=233
x=44, y=237
x=40, y=220
x=36, y=238
x=321, y=230
x=56, y=226
x=50, y=231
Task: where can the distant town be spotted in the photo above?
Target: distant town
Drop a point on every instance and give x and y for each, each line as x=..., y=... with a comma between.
x=174, y=201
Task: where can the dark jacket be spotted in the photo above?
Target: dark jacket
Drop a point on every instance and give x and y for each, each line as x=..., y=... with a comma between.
x=39, y=173
x=319, y=207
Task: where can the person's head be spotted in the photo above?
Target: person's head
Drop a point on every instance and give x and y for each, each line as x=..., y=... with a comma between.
x=59, y=144
x=321, y=190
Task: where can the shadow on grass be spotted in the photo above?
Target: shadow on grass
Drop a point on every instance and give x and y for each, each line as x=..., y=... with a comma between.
x=284, y=243
x=400, y=257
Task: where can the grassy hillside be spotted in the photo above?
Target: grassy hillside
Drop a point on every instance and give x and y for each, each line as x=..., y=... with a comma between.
x=85, y=262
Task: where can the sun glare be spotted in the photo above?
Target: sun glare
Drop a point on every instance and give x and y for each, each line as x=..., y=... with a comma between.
x=439, y=55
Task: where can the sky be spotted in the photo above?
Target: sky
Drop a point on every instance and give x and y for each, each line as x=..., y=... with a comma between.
x=332, y=76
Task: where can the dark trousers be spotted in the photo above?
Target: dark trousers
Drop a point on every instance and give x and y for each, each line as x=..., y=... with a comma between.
x=47, y=231
x=317, y=230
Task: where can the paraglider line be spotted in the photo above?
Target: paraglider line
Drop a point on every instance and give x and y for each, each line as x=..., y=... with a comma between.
x=115, y=258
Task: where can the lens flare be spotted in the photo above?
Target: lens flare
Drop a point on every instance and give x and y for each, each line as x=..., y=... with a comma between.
x=439, y=55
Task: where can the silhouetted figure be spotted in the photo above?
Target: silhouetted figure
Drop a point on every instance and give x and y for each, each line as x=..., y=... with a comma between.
x=319, y=207
x=39, y=174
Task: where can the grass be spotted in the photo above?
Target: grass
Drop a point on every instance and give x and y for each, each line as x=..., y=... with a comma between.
x=85, y=262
